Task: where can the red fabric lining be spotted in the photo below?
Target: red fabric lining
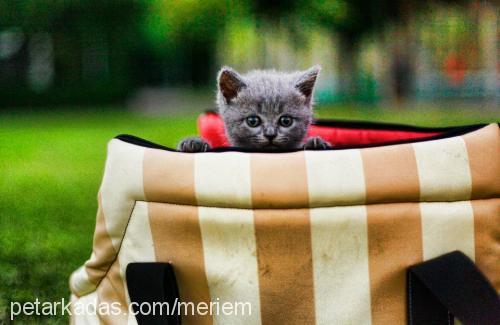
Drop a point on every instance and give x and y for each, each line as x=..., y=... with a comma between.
x=211, y=128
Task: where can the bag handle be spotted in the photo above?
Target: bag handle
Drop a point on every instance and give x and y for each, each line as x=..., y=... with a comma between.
x=149, y=285
x=450, y=286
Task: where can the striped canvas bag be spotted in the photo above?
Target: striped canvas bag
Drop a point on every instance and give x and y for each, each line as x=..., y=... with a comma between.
x=306, y=237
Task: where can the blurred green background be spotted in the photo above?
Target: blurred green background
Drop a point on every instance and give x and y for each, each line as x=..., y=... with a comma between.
x=73, y=74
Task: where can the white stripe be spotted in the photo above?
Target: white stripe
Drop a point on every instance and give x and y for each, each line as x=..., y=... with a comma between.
x=80, y=283
x=447, y=227
x=121, y=186
x=443, y=170
x=335, y=177
x=131, y=319
x=84, y=309
x=340, y=265
x=229, y=249
x=137, y=245
x=222, y=178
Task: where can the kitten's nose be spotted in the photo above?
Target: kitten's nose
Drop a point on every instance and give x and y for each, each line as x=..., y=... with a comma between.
x=270, y=133
x=270, y=137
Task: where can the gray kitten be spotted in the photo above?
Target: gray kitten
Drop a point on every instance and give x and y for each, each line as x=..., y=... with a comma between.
x=265, y=110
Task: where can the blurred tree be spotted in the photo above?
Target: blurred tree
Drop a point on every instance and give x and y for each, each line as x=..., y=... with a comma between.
x=103, y=49
x=186, y=32
x=351, y=20
x=91, y=45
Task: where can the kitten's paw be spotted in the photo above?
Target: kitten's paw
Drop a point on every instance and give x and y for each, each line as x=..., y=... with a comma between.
x=193, y=144
x=316, y=143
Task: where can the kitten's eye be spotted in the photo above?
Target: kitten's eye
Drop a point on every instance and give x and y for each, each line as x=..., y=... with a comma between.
x=285, y=121
x=253, y=121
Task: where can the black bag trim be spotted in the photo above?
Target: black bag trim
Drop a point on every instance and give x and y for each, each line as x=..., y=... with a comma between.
x=447, y=287
x=448, y=132
x=153, y=283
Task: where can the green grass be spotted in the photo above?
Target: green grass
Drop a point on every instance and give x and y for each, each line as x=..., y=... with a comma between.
x=50, y=170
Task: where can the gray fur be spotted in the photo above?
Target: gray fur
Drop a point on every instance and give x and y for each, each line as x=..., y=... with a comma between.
x=269, y=95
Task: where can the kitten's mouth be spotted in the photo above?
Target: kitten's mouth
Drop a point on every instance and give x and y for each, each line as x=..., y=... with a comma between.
x=271, y=146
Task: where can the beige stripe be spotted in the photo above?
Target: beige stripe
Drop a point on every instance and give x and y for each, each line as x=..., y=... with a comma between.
x=443, y=169
x=487, y=238
x=177, y=239
x=223, y=179
x=335, y=177
x=340, y=263
x=111, y=291
x=103, y=253
x=122, y=185
x=231, y=261
x=447, y=227
x=483, y=147
x=279, y=181
x=390, y=174
x=168, y=177
x=285, y=266
x=394, y=243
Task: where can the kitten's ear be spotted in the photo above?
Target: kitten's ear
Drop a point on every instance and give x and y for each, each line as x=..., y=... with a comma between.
x=230, y=83
x=307, y=79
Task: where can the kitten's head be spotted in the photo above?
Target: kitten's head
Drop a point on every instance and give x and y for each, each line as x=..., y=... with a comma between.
x=266, y=109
